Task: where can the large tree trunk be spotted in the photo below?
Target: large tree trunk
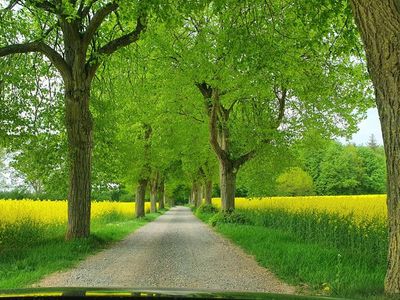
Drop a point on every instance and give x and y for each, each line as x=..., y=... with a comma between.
x=153, y=195
x=208, y=192
x=172, y=202
x=79, y=131
x=199, y=196
x=196, y=194
x=192, y=194
x=140, y=198
x=161, y=196
x=379, y=24
x=227, y=185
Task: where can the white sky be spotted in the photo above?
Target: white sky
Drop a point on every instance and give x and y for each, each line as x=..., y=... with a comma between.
x=371, y=125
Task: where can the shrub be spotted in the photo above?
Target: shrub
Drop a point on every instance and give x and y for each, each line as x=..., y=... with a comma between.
x=234, y=217
x=207, y=209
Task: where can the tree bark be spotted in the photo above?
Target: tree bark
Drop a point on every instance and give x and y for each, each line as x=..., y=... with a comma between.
x=228, y=185
x=196, y=193
x=79, y=128
x=140, y=198
x=208, y=192
x=199, y=195
x=379, y=25
x=192, y=194
x=161, y=196
x=153, y=194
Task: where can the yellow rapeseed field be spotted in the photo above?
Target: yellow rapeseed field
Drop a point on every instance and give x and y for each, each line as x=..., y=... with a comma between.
x=360, y=206
x=55, y=212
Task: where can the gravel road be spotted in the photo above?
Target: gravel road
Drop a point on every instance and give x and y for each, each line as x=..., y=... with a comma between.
x=174, y=251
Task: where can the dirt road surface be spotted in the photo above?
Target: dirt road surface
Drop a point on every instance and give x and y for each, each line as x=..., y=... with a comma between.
x=174, y=251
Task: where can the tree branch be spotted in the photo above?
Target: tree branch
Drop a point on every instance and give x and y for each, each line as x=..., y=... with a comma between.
x=222, y=155
x=45, y=5
x=116, y=44
x=126, y=39
x=233, y=105
x=38, y=46
x=244, y=158
x=205, y=89
x=84, y=11
x=96, y=21
x=281, y=96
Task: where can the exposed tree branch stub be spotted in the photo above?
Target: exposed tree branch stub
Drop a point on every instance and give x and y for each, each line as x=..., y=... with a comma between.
x=39, y=46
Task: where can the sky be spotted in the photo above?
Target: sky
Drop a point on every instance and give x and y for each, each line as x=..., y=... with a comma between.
x=370, y=125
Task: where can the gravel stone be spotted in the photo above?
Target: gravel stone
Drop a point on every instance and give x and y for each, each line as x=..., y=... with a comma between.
x=176, y=251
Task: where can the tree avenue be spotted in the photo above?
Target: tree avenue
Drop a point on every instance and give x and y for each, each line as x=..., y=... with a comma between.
x=261, y=88
x=210, y=94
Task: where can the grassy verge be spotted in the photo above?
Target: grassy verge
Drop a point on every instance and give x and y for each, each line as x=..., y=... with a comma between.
x=29, y=252
x=316, y=254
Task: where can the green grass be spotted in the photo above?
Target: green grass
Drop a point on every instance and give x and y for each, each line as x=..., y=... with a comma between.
x=297, y=252
x=29, y=252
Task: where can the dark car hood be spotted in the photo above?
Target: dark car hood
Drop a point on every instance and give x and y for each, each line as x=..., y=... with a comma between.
x=116, y=293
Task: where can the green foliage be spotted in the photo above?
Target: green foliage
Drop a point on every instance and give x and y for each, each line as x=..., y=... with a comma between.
x=258, y=176
x=234, y=217
x=351, y=170
x=180, y=194
x=295, y=182
x=206, y=209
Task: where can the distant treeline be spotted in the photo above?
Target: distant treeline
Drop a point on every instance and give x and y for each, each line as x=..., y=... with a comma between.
x=319, y=168
x=313, y=167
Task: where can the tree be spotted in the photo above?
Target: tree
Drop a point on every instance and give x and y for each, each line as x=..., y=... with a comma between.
x=372, y=142
x=87, y=31
x=342, y=171
x=379, y=26
x=252, y=99
x=258, y=176
x=374, y=174
x=295, y=182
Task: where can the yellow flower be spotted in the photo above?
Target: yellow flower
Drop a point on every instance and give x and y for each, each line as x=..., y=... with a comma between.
x=55, y=212
x=361, y=208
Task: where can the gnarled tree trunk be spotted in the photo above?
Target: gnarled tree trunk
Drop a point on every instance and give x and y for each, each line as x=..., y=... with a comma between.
x=140, y=198
x=379, y=24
